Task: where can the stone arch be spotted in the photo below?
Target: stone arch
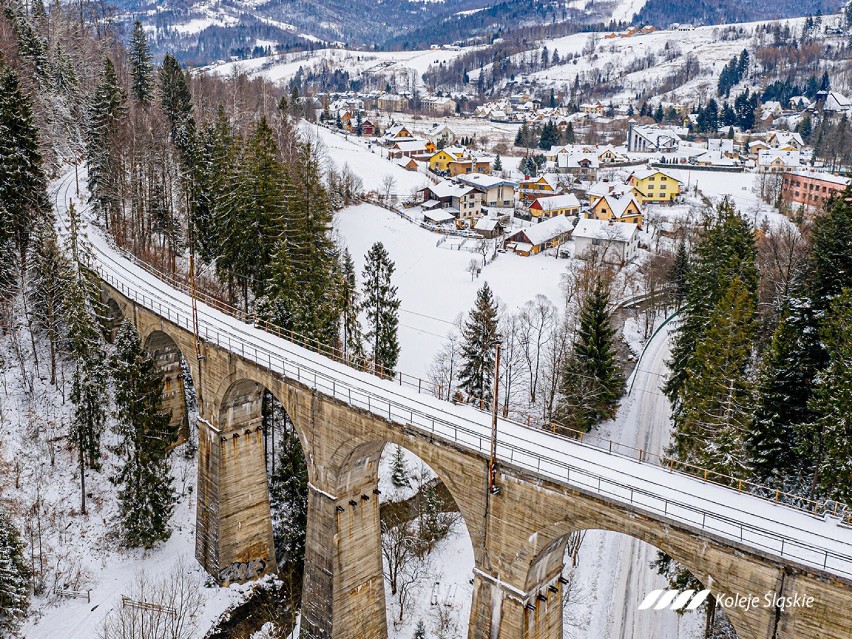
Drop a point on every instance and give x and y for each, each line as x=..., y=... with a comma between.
x=113, y=317
x=232, y=457
x=361, y=464
x=546, y=566
x=170, y=359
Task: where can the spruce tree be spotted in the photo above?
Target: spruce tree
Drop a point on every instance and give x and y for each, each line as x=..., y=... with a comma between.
x=14, y=578
x=141, y=69
x=353, y=346
x=23, y=186
x=106, y=111
x=725, y=250
x=176, y=101
x=497, y=165
x=399, y=469
x=304, y=282
x=420, y=630
x=146, y=493
x=717, y=394
x=51, y=277
x=85, y=347
x=592, y=382
x=478, y=349
x=830, y=433
x=288, y=499
x=381, y=307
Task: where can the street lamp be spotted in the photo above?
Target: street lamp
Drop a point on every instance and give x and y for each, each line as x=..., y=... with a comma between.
x=493, y=488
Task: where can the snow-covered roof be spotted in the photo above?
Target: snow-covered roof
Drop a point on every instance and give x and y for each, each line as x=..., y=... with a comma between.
x=618, y=204
x=776, y=156
x=406, y=144
x=603, y=230
x=600, y=189
x=485, y=181
x=438, y=216
x=486, y=224
x=548, y=229
x=572, y=160
x=641, y=174
x=556, y=202
x=450, y=189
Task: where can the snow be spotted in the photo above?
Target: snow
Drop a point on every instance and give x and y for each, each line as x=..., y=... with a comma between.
x=365, y=159
x=434, y=284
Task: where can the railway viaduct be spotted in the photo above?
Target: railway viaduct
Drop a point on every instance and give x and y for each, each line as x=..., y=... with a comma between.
x=518, y=535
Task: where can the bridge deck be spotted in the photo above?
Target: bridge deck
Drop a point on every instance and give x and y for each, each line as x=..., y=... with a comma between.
x=757, y=523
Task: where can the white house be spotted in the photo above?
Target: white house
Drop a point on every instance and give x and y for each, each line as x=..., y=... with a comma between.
x=614, y=242
x=651, y=139
x=777, y=160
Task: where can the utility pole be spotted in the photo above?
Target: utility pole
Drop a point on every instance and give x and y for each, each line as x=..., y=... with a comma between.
x=493, y=488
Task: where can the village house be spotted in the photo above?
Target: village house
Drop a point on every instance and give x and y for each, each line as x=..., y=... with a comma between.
x=392, y=103
x=595, y=108
x=408, y=163
x=651, y=139
x=440, y=135
x=547, y=207
x=496, y=192
x=600, y=189
x=464, y=166
x=583, y=167
x=489, y=227
x=654, y=186
x=810, y=189
x=410, y=148
x=440, y=106
x=550, y=233
x=440, y=161
x=532, y=187
x=368, y=129
x=777, y=161
x=462, y=201
x=622, y=208
x=610, y=242
x=785, y=140
x=397, y=133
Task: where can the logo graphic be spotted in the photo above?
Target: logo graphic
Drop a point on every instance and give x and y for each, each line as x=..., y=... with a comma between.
x=674, y=599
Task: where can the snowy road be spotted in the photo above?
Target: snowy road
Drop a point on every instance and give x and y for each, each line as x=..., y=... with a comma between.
x=775, y=529
x=609, y=599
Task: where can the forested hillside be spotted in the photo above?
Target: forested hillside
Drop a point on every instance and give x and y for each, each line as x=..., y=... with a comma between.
x=662, y=13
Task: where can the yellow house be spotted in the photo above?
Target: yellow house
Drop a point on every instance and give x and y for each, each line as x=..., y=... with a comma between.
x=602, y=189
x=654, y=186
x=618, y=209
x=546, y=207
x=440, y=161
x=536, y=186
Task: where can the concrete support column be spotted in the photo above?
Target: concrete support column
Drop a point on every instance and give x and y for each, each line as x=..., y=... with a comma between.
x=344, y=591
x=234, y=527
x=501, y=611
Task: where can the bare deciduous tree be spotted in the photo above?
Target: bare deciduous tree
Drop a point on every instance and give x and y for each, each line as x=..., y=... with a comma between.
x=172, y=606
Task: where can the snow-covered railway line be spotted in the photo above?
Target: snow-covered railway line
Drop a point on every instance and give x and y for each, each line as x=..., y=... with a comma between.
x=767, y=527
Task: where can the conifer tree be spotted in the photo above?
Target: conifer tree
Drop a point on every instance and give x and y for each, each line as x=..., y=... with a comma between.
x=176, y=101
x=717, y=394
x=14, y=578
x=303, y=287
x=288, y=498
x=830, y=434
x=217, y=170
x=497, y=165
x=353, y=346
x=399, y=469
x=85, y=345
x=381, y=307
x=141, y=69
x=106, y=111
x=724, y=251
x=478, y=349
x=146, y=493
x=420, y=630
x=23, y=186
x=592, y=382
x=51, y=277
